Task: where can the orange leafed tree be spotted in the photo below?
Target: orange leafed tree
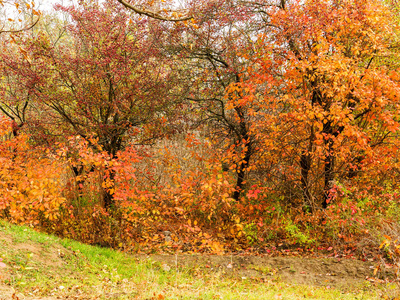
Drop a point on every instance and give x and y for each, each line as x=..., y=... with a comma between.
x=29, y=181
x=325, y=95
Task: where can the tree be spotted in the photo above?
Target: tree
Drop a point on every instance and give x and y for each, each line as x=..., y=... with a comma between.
x=24, y=17
x=334, y=95
x=107, y=83
x=218, y=50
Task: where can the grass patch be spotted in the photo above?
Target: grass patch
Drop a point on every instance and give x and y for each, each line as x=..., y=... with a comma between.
x=44, y=265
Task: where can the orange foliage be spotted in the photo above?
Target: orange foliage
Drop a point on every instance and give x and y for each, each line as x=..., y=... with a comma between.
x=29, y=183
x=319, y=112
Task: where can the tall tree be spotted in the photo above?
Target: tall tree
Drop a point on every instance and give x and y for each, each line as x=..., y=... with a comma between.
x=107, y=82
x=337, y=97
x=218, y=47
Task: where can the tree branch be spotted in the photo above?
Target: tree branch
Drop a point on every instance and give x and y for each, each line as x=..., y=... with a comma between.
x=23, y=29
x=152, y=14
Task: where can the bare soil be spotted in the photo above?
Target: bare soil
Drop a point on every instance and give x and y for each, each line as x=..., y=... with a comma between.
x=333, y=272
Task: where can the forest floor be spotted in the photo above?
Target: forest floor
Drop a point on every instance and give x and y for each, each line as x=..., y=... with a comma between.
x=38, y=266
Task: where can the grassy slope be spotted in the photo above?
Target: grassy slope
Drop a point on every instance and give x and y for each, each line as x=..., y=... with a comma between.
x=40, y=265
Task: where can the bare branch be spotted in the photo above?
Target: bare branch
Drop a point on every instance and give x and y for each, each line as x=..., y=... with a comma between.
x=23, y=29
x=152, y=14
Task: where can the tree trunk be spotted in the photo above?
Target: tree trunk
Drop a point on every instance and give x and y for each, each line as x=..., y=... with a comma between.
x=305, y=165
x=248, y=151
x=112, y=147
x=108, y=197
x=81, y=176
x=328, y=178
x=329, y=168
x=241, y=172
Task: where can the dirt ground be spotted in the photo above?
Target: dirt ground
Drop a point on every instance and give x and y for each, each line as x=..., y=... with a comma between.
x=339, y=273
x=346, y=273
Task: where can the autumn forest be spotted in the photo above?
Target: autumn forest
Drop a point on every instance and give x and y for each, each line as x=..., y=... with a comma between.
x=213, y=126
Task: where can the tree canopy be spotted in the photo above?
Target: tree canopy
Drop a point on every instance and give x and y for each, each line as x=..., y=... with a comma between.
x=229, y=123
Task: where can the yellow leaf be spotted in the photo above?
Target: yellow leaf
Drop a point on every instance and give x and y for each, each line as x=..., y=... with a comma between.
x=376, y=270
x=384, y=244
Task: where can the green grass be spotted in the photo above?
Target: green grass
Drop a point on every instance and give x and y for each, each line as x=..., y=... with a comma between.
x=43, y=265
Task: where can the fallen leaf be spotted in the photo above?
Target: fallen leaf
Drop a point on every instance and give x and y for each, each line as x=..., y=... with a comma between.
x=166, y=268
x=14, y=297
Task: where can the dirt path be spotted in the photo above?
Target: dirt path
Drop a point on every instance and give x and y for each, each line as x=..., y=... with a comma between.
x=5, y=292
x=311, y=271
